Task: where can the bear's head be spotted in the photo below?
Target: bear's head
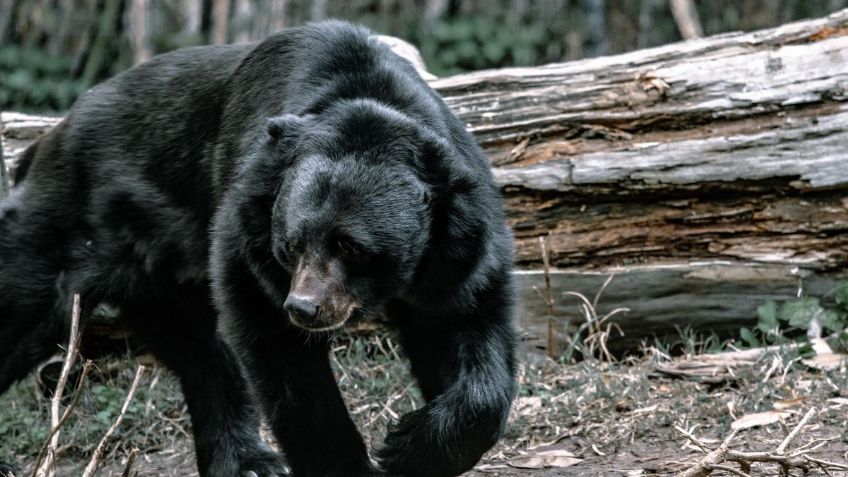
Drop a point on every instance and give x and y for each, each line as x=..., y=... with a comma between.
x=354, y=213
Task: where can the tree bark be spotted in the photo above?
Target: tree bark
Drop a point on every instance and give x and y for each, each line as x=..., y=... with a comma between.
x=107, y=24
x=278, y=15
x=708, y=175
x=139, y=34
x=686, y=17
x=220, y=21
x=243, y=19
x=726, y=148
x=5, y=183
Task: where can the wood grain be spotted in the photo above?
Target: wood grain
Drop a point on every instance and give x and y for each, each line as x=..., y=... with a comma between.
x=709, y=175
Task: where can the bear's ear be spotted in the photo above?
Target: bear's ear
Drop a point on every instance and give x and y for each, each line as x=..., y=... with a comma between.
x=440, y=165
x=285, y=129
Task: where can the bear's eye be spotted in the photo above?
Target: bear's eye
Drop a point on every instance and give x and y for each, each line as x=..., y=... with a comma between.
x=349, y=247
x=292, y=247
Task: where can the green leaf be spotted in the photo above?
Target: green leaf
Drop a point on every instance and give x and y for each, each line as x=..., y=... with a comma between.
x=467, y=50
x=841, y=294
x=839, y=343
x=799, y=312
x=104, y=416
x=834, y=321
x=748, y=336
x=767, y=318
x=494, y=52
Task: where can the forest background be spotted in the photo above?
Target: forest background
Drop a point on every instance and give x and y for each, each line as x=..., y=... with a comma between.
x=52, y=50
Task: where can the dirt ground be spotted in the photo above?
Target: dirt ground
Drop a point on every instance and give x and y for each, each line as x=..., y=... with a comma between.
x=590, y=418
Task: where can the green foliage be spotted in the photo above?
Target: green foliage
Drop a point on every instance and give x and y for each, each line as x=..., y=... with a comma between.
x=460, y=44
x=459, y=36
x=32, y=80
x=24, y=426
x=109, y=400
x=693, y=342
x=791, y=319
x=157, y=409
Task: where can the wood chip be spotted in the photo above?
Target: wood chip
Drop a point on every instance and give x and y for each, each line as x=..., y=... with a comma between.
x=758, y=419
x=555, y=458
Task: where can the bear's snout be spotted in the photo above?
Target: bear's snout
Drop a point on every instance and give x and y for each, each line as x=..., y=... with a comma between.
x=317, y=299
x=303, y=309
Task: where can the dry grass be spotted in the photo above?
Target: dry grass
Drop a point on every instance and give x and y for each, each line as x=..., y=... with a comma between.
x=590, y=418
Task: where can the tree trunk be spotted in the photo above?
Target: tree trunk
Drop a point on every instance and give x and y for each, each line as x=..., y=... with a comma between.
x=192, y=11
x=708, y=176
x=243, y=19
x=277, y=15
x=220, y=21
x=686, y=17
x=97, y=57
x=139, y=34
x=4, y=175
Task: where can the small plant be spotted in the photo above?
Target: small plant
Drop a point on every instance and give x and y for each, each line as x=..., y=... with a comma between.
x=109, y=400
x=589, y=339
x=23, y=424
x=800, y=318
x=692, y=342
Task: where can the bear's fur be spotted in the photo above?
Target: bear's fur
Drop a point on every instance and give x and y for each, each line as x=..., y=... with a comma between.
x=272, y=192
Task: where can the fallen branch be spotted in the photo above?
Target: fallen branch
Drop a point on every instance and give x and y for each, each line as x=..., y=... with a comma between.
x=711, y=459
x=796, y=459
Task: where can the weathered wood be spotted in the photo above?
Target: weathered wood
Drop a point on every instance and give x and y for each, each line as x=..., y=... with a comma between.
x=730, y=147
x=18, y=131
x=5, y=183
x=708, y=175
x=716, y=368
x=715, y=297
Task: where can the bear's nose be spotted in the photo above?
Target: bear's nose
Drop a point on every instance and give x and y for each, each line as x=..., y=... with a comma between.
x=303, y=308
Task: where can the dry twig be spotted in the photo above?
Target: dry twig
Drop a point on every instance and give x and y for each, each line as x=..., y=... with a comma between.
x=77, y=392
x=797, y=459
x=130, y=462
x=709, y=461
x=48, y=467
x=548, y=298
x=92, y=464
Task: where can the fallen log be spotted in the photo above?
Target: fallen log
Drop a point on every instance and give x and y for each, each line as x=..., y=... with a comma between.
x=730, y=147
x=4, y=175
x=708, y=175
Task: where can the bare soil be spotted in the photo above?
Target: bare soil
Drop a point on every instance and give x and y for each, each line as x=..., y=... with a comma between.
x=590, y=418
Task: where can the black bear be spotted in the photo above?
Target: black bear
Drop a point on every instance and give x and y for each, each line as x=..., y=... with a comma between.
x=238, y=203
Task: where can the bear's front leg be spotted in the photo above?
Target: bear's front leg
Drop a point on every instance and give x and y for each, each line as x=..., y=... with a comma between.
x=465, y=366
x=291, y=376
